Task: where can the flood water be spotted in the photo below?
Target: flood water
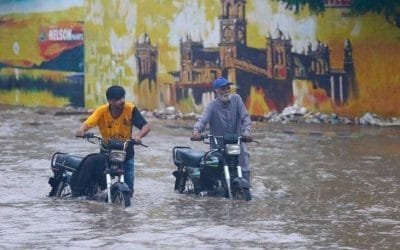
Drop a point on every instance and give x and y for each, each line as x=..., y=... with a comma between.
x=313, y=187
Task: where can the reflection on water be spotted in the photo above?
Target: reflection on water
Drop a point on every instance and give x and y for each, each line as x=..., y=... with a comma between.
x=314, y=186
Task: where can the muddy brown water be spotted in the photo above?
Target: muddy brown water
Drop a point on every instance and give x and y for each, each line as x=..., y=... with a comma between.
x=313, y=187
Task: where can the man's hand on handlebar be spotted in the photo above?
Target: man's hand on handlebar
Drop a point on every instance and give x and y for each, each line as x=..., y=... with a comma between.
x=79, y=133
x=196, y=136
x=246, y=138
x=85, y=135
x=136, y=141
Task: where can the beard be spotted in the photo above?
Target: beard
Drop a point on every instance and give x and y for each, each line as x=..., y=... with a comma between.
x=119, y=106
x=224, y=97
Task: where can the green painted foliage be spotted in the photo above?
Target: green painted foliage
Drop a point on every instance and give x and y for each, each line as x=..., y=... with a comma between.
x=389, y=8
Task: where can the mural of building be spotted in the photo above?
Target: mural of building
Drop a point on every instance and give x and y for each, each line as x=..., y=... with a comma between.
x=67, y=54
x=270, y=70
x=146, y=60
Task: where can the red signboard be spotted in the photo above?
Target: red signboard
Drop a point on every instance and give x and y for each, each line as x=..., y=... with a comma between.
x=55, y=39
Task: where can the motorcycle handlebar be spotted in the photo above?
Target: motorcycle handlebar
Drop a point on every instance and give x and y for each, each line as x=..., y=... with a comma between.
x=138, y=142
x=246, y=139
x=201, y=138
x=242, y=138
x=91, y=135
x=88, y=136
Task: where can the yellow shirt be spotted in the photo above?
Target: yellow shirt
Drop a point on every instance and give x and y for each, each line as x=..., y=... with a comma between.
x=112, y=128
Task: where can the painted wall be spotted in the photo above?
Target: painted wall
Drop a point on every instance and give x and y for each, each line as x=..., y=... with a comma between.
x=41, y=56
x=140, y=44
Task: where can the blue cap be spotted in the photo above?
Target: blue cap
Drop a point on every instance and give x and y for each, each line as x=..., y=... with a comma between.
x=220, y=82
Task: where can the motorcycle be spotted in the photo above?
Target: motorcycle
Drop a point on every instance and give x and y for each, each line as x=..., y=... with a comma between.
x=216, y=172
x=110, y=165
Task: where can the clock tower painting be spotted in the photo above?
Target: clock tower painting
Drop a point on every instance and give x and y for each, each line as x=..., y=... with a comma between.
x=233, y=33
x=271, y=77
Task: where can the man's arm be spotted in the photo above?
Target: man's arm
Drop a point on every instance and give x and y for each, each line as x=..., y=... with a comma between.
x=141, y=123
x=82, y=129
x=90, y=122
x=142, y=132
x=244, y=119
x=201, y=122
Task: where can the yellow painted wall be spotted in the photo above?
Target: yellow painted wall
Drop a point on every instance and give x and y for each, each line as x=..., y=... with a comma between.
x=113, y=27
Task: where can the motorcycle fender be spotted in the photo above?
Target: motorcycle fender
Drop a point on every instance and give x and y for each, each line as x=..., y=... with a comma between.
x=241, y=182
x=123, y=187
x=178, y=176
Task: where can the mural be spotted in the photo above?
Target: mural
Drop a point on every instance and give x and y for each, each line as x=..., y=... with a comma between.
x=118, y=50
x=276, y=73
x=42, y=53
x=167, y=52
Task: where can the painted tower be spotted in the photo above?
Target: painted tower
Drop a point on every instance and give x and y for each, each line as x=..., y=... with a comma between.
x=279, y=60
x=349, y=68
x=233, y=34
x=146, y=61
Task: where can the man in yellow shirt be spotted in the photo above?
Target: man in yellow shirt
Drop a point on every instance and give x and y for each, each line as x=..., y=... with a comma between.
x=115, y=120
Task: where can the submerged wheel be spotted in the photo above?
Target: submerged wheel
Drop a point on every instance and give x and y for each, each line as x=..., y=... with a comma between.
x=240, y=193
x=186, y=185
x=121, y=198
x=189, y=186
x=180, y=182
x=63, y=190
x=220, y=190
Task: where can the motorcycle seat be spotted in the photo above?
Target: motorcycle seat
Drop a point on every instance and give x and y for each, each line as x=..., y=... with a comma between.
x=190, y=157
x=68, y=161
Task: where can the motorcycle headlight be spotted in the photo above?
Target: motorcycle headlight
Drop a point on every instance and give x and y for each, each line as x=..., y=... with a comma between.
x=232, y=149
x=117, y=155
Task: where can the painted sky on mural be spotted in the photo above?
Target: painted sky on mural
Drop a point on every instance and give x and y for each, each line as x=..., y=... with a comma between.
x=192, y=20
x=29, y=6
x=167, y=24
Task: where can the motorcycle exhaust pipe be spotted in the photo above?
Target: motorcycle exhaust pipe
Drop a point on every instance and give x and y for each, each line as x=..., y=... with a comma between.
x=108, y=178
x=228, y=180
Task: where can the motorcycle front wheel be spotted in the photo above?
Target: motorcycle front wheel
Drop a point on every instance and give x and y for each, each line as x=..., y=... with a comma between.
x=240, y=193
x=121, y=198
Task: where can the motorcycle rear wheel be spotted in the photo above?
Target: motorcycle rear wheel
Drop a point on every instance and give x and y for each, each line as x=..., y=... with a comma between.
x=240, y=193
x=186, y=185
x=63, y=190
x=121, y=198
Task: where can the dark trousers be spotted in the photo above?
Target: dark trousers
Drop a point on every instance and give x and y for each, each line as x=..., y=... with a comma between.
x=89, y=175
